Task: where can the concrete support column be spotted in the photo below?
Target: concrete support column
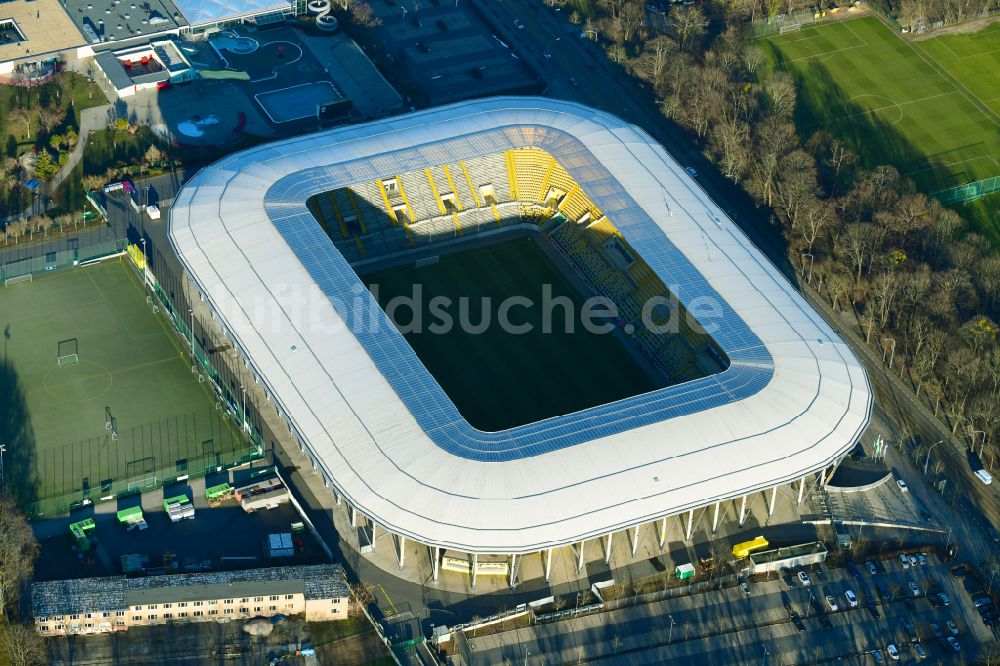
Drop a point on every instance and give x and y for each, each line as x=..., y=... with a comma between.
x=339, y=499
x=548, y=564
x=635, y=540
x=402, y=551
x=436, y=564
x=579, y=558
x=715, y=518
x=690, y=524
x=475, y=561
x=513, y=569
x=822, y=478
x=743, y=510
x=607, y=549
x=374, y=528
x=774, y=495
x=663, y=532
x=802, y=487
x=354, y=517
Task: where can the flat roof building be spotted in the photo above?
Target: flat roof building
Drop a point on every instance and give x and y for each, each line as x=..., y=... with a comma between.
x=99, y=605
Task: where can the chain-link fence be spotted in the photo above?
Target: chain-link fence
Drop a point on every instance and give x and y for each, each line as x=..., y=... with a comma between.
x=783, y=23
x=969, y=192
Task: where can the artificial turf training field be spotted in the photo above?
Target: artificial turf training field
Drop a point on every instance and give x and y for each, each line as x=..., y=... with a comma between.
x=129, y=361
x=930, y=107
x=500, y=380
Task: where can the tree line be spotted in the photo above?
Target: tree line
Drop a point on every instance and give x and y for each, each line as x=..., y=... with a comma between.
x=923, y=284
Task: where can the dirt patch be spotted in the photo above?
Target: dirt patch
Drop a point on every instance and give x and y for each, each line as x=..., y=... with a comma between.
x=975, y=25
x=352, y=651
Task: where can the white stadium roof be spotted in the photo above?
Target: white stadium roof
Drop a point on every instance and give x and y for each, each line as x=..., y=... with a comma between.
x=381, y=430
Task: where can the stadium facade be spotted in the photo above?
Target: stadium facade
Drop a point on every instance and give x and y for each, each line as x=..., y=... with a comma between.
x=785, y=402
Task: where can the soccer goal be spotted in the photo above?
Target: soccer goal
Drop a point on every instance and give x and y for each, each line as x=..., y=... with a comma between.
x=428, y=261
x=17, y=279
x=789, y=28
x=68, y=353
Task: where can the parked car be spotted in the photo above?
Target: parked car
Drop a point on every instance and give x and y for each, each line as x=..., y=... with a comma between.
x=922, y=558
x=919, y=649
x=904, y=560
x=819, y=572
x=852, y=599
x=877, y=656
x=880, y=566
x=883, y=591
x=911, y=632
x=980, y=599
x=913, y=560
x=691, y=171
x=853, y=569
x=873, y=610
x=914, y=588
x=936, y=629
x=954, y=644
x=789, y=582
x=744, y=585
x=893, y=652
x=832, y=603
x=871, y=567
x=952, y=628
x=902, y=485
x=804, y=578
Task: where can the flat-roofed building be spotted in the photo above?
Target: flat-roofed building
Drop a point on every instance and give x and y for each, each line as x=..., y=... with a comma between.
x=117, y=603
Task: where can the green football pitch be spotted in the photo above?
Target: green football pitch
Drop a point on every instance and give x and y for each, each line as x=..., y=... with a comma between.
x=930, y=107
x=54, y=420
x=498, y=379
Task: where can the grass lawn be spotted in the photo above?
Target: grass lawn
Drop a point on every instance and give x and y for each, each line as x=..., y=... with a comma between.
x=53, y=418
x=322, y=633
x=929, y=108
x=499, y=380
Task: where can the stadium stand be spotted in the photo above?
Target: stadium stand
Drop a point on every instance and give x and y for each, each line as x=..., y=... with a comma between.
x=398, y=212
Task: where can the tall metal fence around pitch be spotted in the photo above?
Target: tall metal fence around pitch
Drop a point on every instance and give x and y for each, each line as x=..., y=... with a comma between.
x=963, y=194
x=782, y=23
x=137, y=459
x=47, y=258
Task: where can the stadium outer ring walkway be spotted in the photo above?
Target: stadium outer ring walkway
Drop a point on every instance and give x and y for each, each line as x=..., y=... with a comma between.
x=267, y=271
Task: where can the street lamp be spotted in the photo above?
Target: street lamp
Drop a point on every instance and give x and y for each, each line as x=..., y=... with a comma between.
x=548, y=45
x=191, y=314
x=243, y=404
x=928, y=460
x=670, y=636
x=145, y=261
x=981, y=444
x=892, y=353
x=2, y=449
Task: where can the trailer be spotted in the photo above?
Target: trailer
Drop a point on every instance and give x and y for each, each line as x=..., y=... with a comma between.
x=79, y=531
x=684, y=571
x=265, y=500
x=132, y=518
x=178, y=508
x=218, y=493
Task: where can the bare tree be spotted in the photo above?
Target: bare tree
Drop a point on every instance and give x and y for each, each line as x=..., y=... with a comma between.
x=688, y=23
x=23, y=645
x=18, y=550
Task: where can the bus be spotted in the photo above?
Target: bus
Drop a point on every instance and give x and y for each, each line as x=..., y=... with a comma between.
x=744, y=549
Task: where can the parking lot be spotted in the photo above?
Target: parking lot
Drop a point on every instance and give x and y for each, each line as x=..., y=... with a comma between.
x=221, y=536
x=786, y=620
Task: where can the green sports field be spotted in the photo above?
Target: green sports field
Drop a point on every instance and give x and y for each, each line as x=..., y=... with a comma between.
x=53, y=419
x=929, y=107
x=499, y=380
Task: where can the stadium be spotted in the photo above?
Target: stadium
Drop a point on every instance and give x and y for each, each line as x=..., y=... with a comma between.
x=489, y=443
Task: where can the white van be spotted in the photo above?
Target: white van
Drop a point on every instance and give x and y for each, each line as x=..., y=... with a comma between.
x=984, y=476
